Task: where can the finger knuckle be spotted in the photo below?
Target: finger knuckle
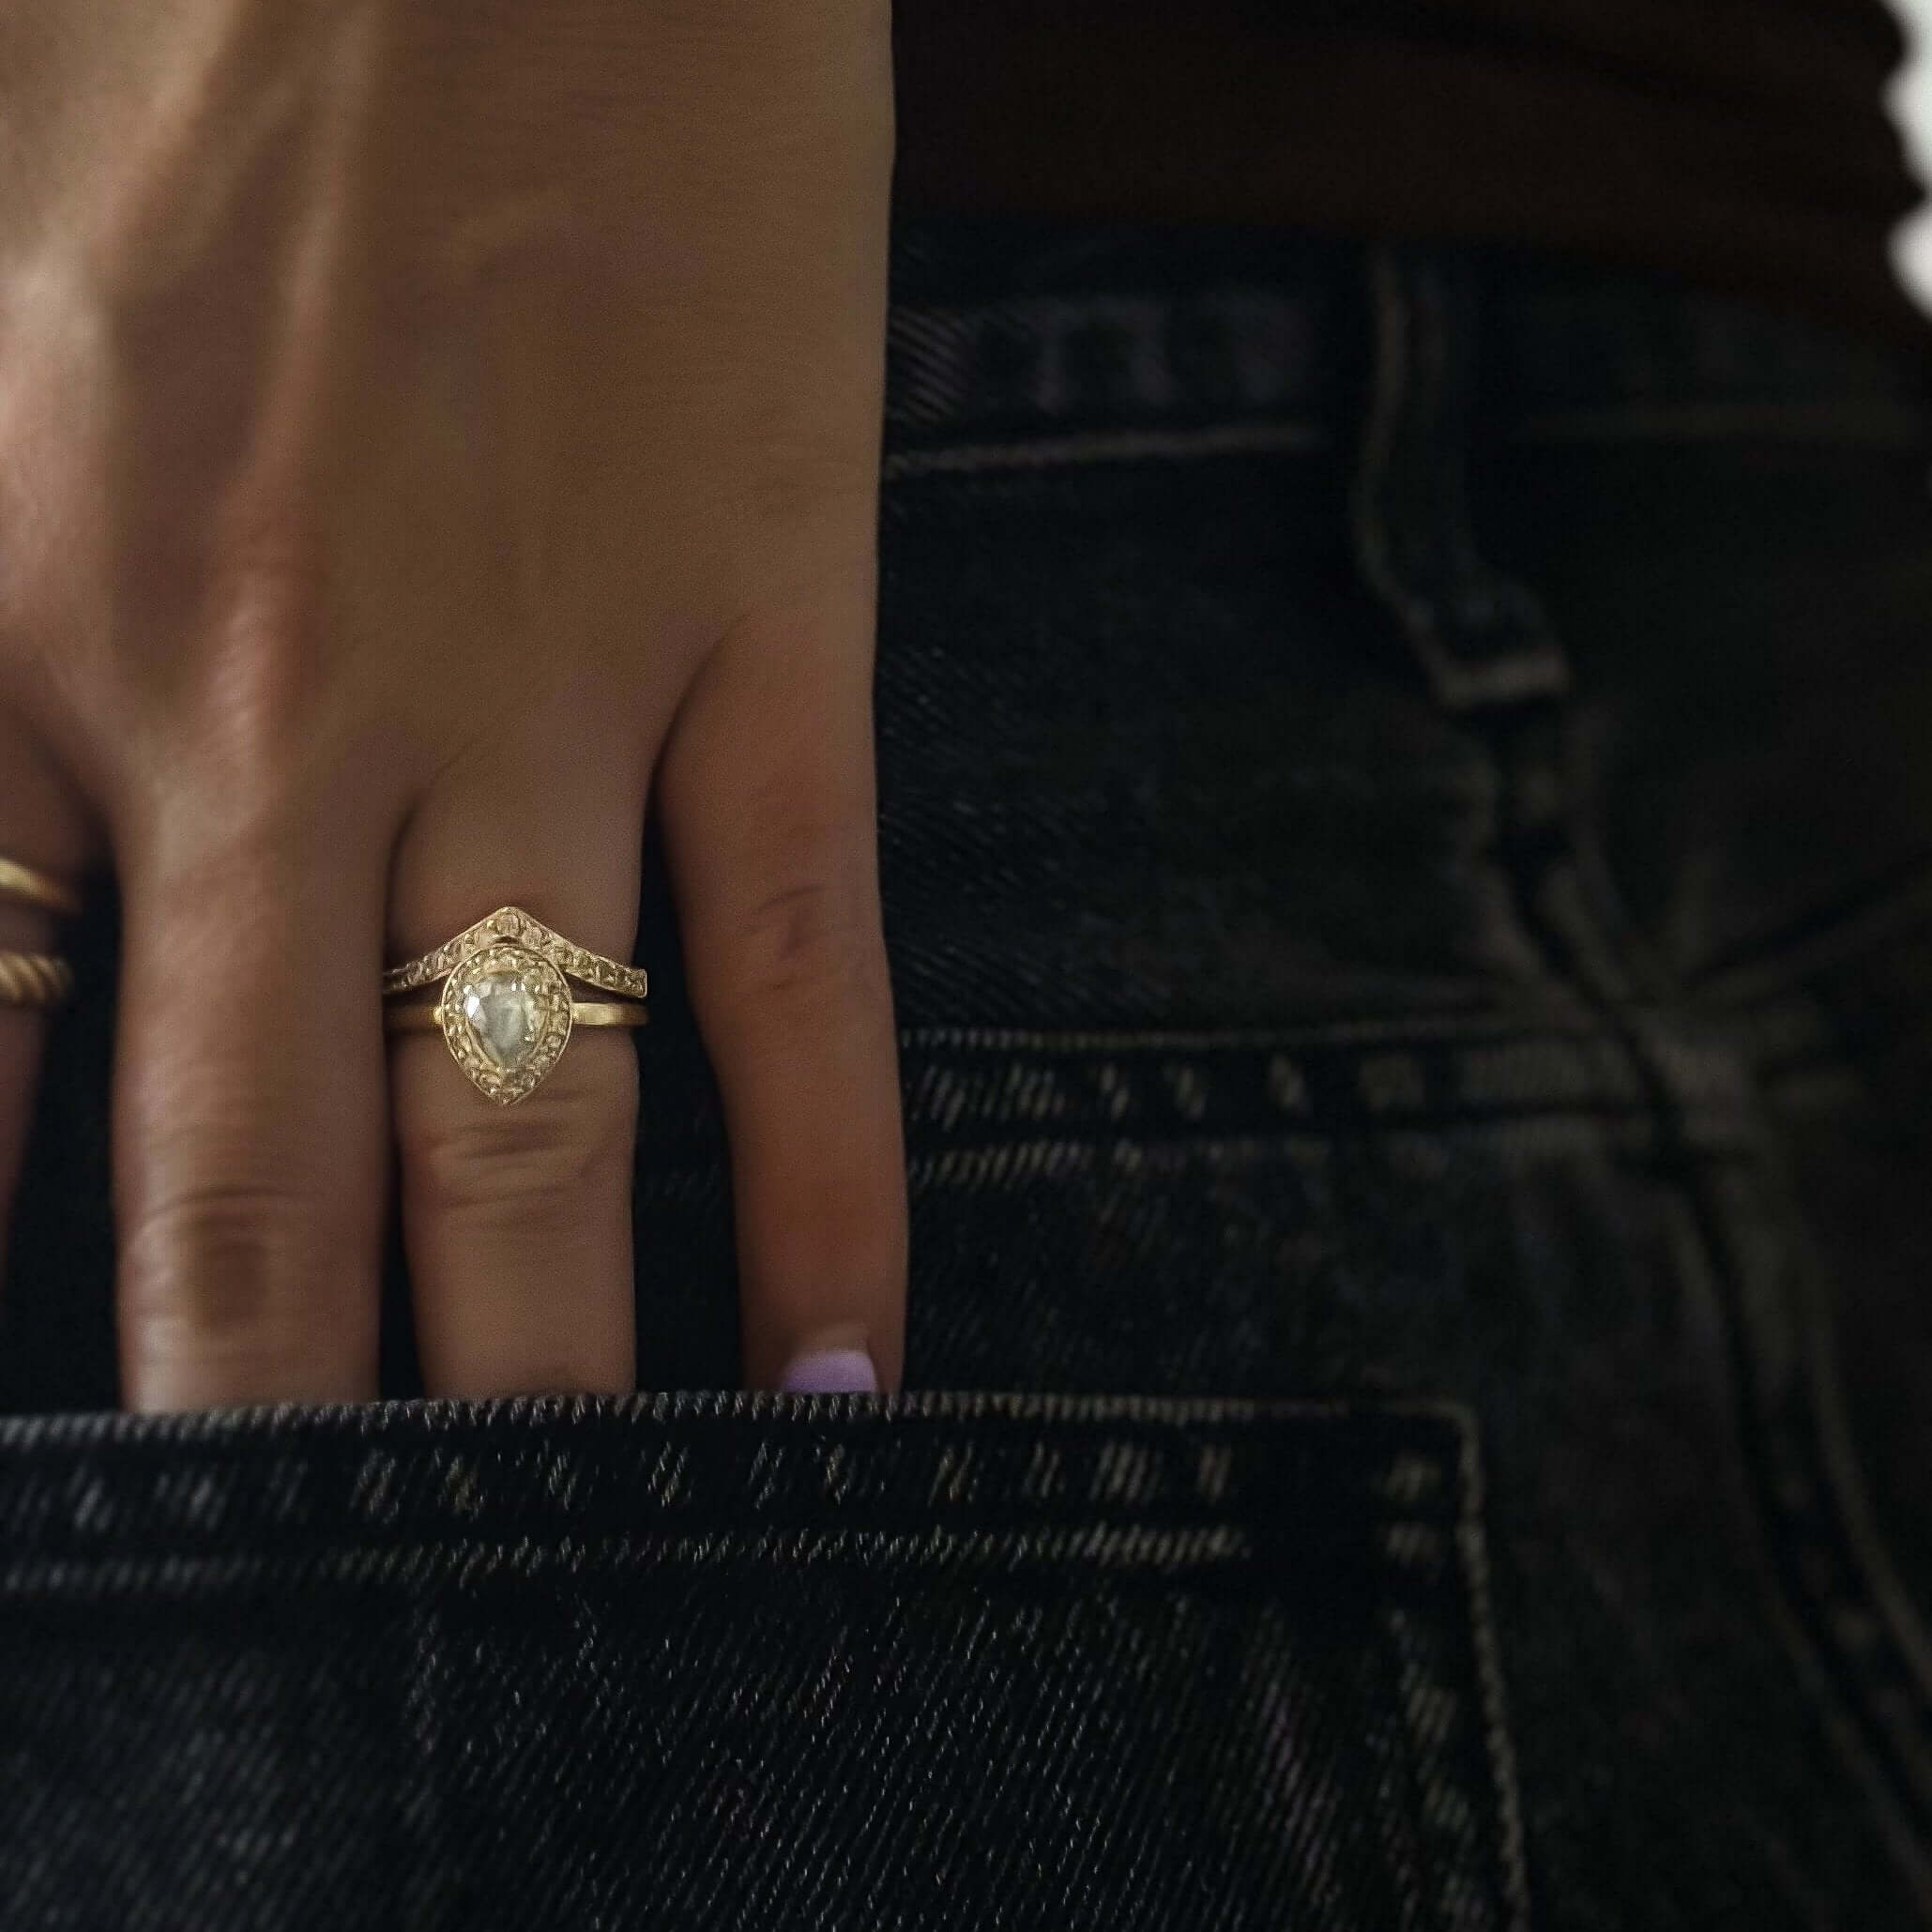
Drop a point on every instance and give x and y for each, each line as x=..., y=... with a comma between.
x=812, y=936
x=244, y=1269
x=564, y=1146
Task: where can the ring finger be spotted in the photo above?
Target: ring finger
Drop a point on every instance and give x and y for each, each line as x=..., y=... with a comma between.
x=516, y=1219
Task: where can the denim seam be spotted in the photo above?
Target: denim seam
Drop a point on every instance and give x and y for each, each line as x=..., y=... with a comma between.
x=1414, y=547
x=1473, y=1547
x=1090, y=1094
x=1856, y=1520
x=1047, y=363
x=1166, y=1554
x=1836, y=1550
x=1166, y=447
x=437, y=1417
x=1144, y=1464
x=1365, y=1032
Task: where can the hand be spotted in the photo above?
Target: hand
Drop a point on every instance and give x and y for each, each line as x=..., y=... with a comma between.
x=425, y=425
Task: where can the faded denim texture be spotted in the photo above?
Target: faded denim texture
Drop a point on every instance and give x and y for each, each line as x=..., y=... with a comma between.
x=1407, y=850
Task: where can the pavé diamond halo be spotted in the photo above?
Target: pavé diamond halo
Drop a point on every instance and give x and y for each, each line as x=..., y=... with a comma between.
x=506, y=1014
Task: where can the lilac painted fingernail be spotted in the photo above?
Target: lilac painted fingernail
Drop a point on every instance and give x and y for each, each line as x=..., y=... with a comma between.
x=832, y=1372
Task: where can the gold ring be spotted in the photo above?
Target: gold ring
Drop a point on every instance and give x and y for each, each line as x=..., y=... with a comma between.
x=27, y=887
x=584, y=1012
x=505, y=1012
x=34, y=980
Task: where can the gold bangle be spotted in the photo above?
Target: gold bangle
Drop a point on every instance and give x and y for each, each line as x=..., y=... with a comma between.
x=35, y=980
x=597, y=1012
x=23, y=885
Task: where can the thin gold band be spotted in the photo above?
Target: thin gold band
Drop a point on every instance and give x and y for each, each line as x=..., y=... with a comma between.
x=38, y=979
x=428, y=1019
x=23, y=885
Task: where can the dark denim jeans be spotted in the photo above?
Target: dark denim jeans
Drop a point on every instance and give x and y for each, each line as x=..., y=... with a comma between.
x=1408, y=866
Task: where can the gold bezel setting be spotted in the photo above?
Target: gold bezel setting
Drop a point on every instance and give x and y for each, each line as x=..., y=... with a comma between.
x=549, y=997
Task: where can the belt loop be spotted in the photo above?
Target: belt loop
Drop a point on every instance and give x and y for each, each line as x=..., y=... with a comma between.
x=1481, y=638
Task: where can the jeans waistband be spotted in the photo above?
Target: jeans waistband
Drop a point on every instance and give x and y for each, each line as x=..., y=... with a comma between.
x=1025, y=327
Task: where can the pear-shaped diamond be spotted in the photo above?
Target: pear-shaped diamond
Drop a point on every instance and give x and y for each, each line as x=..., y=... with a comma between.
x=506, y=1016
x=501, y=1010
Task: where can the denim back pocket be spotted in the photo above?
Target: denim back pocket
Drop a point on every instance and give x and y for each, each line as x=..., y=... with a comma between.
x=752, y=1661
